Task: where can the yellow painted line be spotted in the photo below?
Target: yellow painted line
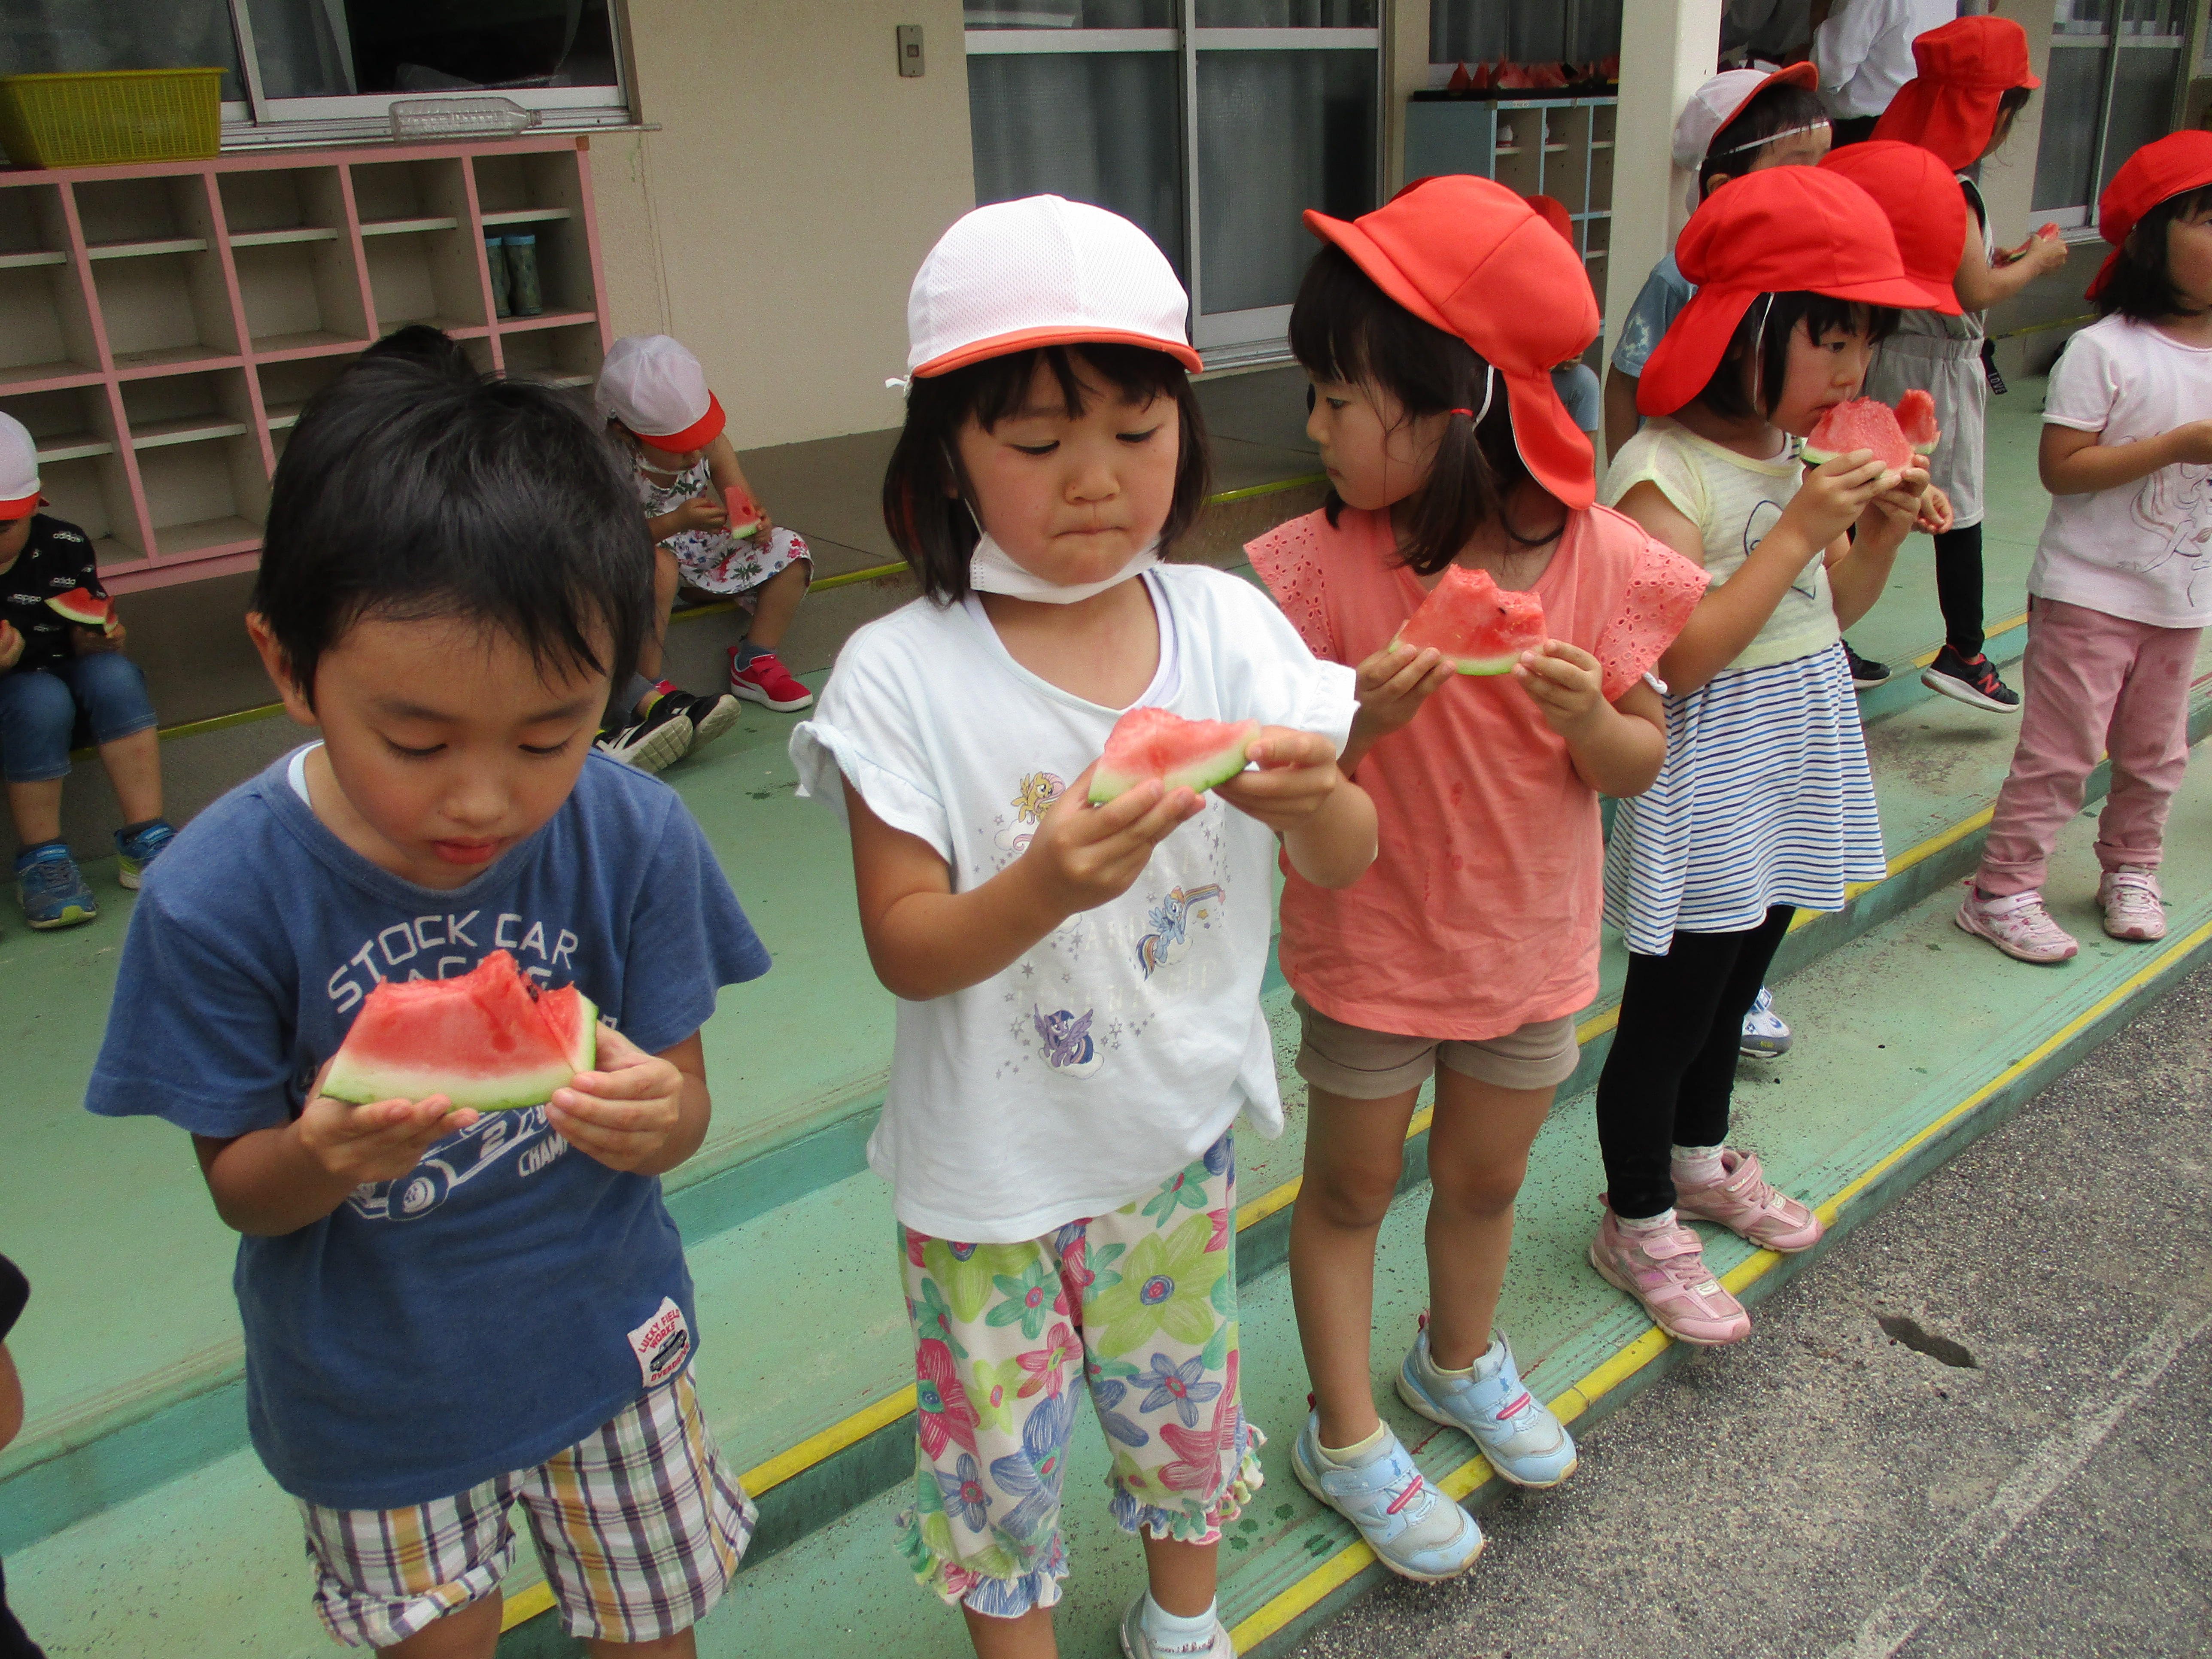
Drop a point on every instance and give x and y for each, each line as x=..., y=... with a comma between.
x=243, y=717
x=526, y=1604
x=1274, y=488
x=1993, y=631
x=1610, y=1373
x=832, y=1440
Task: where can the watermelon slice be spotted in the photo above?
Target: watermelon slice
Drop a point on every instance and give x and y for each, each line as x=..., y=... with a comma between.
x=1482, y=626
x=490, y=1039
x=1861, y=423
x=745, y=514
x=1151, y=743
x=85, y=608
x=2048, y=233
x=1915, y=418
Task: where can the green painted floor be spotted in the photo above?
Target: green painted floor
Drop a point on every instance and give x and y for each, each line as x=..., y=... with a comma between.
x=111, y=1219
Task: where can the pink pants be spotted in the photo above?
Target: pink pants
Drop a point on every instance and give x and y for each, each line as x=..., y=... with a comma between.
x=2095, y=683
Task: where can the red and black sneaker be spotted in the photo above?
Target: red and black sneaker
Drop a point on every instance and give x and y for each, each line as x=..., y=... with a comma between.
x=1971, y=680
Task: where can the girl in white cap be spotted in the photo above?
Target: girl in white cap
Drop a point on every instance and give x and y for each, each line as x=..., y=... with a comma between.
x=1079, y=1020
x=61, y=661
x=708, y=529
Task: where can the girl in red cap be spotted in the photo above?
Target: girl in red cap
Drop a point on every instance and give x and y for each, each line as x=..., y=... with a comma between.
x=1765, y=804
x=2121, y=583
x=1973, y=80
x=1429, y=328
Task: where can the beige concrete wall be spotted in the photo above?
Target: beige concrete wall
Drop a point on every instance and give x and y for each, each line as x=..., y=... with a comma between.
x=2008, y=176
x=1667, y=50
x=1405, y=72
x=774, y=222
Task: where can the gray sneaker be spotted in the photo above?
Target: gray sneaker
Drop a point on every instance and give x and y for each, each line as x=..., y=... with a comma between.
x=1413, y=1529
x=1515, y=1431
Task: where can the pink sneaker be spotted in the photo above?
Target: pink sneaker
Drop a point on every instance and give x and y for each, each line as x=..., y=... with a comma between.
x=2017, y=924
x=1665, y=1270
x=2132, y=907
x=766, y=680
x=1741, y=1201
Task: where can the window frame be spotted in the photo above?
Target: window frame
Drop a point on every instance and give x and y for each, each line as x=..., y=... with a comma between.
x=2188, y=47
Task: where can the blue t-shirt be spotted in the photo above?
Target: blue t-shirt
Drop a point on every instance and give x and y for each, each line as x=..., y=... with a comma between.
x=1658, y=302
x=1577, y=384
x=509, y=1294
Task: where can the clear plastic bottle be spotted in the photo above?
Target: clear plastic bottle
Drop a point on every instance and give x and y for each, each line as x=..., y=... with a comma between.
x=460, y=117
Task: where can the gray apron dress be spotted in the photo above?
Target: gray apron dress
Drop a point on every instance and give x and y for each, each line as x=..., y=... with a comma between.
x=1942, y=356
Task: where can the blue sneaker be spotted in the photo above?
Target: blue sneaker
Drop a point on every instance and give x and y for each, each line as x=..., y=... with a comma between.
x=135, y=853
x=1514, y=1429
x=53, y=893
x=1413, y=1529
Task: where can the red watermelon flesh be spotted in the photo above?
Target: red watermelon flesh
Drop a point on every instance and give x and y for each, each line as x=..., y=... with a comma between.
x=1151, y=743
x=1482, y=626
x=1915, y=418
x=744, y=513
x=490, y=1039
x=1861, y=423
x=85, y=608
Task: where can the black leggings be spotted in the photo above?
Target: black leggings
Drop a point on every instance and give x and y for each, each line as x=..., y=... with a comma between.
x=1667, y=1082
x=1959, y=588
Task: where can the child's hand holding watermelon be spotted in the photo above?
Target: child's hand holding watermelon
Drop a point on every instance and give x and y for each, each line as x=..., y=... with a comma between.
x=1392, y=686
x=1083, y=856
x=380, y=1141
x=1567, y=684
x=638, y=1113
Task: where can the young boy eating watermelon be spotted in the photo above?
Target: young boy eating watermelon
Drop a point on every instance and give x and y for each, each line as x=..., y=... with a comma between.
x=62, y=669
x=448, y=1313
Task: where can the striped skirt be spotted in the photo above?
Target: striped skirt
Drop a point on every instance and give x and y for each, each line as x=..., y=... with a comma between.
x=1764, y=799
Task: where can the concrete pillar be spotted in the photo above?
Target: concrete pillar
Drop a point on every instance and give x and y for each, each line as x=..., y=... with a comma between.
x=1405, y=72
x=1668, y=49
x=2008, y=176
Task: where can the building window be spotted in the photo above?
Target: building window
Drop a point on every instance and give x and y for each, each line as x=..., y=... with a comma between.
x=1524, y=31
x=1210, y=122
x=2116, y=67
x=333, y=68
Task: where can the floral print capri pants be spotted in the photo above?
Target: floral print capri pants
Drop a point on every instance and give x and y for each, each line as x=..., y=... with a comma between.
x=1141, y=1304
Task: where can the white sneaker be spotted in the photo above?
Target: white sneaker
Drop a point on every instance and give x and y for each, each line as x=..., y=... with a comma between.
x=2133, y=908
x=1136, y=1644
x=1766, y=1033
x=2017, y=924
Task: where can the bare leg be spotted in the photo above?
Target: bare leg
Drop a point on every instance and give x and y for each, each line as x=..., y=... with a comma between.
x=134, y=767
x=1478, y=1158
x=37, y=808
x=471, y=1633
x=777, y=603
x=1182, y=1575
x=1355, y=1150
x=665, y=576
x=1029, y=1637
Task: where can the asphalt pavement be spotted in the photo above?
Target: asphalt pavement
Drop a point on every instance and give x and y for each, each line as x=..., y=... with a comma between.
x=1981, y=1425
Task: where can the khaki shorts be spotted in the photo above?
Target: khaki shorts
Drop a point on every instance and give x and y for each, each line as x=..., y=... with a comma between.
x=1364, y=1065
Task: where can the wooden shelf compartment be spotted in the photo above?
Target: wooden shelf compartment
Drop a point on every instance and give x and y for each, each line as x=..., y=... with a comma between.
x=69, y=424
x=93, y=492
x=565, y=354
x=170, y=295
x=146, y=250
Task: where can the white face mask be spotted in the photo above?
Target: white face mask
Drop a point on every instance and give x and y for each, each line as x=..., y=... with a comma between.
x=990, y=570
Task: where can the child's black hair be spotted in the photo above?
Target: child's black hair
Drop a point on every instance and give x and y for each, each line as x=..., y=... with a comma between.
x=2142, y=284
x=1777, y=107
x=420, y=342
x=927, y=496
x=1346, y=329
x=1766, y=329
x=407, y=494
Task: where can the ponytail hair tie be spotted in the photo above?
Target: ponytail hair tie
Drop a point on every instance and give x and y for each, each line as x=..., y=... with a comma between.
x=1489, y=391
x=1468, y=412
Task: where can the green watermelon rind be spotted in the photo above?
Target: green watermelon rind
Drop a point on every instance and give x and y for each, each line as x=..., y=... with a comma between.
x=359, y=1085
x=1483, y=667
x=1199, y=775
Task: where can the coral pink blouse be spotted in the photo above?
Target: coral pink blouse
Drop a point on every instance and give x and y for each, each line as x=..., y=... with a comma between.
x=1480, y=913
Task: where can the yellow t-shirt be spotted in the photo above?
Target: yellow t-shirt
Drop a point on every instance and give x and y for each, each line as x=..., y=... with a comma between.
x=1734, y=500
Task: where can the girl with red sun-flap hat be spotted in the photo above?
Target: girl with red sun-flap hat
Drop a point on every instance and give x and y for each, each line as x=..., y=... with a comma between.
x=1430, y=328
x=1764, y=805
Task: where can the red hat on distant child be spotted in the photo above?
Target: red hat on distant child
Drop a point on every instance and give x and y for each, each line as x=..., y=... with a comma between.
x=2159, y=170
x=1469, y=256
x=1554, y=212
x=1951, y=105
x=1925, y=207
x=19, y=470
x=653, y=386
x=1780, y=231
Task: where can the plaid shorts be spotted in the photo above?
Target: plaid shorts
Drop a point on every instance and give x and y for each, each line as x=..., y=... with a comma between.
x=639, y=1526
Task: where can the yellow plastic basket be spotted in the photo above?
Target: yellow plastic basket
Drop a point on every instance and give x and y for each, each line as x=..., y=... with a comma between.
x=117, y=115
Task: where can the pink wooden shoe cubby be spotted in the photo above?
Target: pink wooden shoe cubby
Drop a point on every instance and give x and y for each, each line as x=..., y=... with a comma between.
x=160, y=325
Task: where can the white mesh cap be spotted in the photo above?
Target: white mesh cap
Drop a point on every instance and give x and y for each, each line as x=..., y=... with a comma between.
x=19, y=469
x=1042, y=270
x=653, y=386
x=1718, y=102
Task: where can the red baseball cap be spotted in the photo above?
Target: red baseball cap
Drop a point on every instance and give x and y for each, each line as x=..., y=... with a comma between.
x=2159, y=170
x=1951, y=105
x=1469, y=256
x=1554, y=212
x=1781, y=230
x=1926, y=210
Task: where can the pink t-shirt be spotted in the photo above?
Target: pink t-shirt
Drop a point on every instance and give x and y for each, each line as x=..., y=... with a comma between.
x=1481, y=913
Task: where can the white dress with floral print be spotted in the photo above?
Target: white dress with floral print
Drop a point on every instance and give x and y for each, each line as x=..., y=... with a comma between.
x=715, y=559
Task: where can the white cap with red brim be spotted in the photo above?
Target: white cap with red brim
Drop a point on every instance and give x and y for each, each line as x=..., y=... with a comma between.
x=1041, y=271
x=19, y=469
x=653, y=386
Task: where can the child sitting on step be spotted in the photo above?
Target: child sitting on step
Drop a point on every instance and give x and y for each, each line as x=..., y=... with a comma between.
x=1079, y=1022
x=448, y=1315
x=1469, y=949
x=59, y=676
x=2121, y=583
x=1765, y=804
